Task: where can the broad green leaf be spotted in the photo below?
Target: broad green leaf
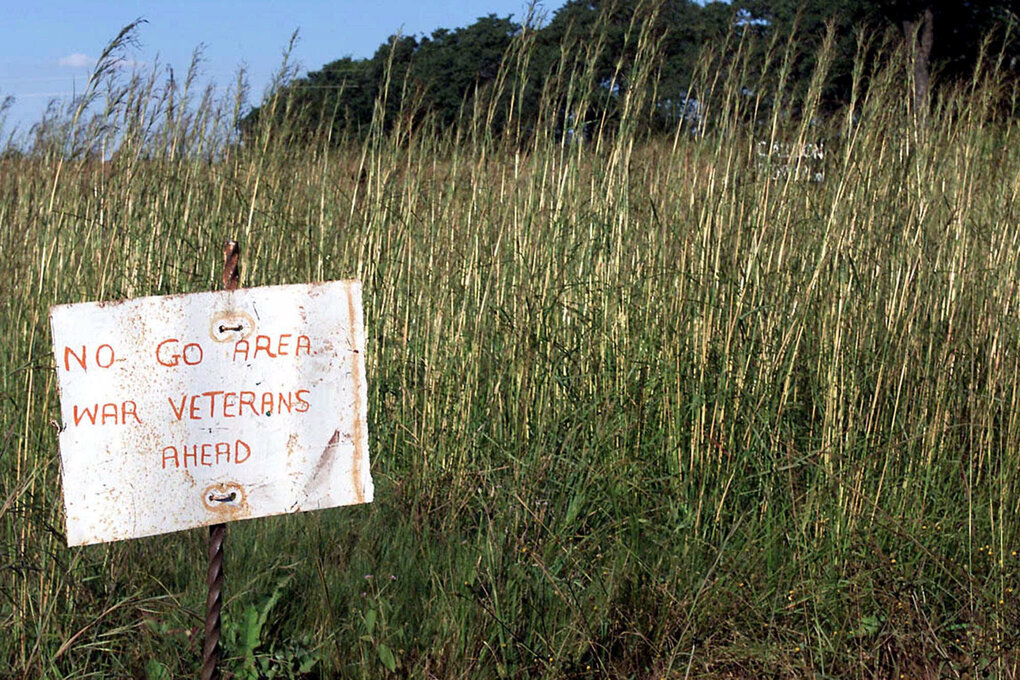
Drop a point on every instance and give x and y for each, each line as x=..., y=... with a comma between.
x=370, y=618
x=386, y=656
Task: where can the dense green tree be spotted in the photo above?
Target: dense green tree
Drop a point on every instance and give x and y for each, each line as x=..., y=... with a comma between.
x=592, y=45
x=441, y=72
x=450, y=65
x=807, y=22
x=947, y=34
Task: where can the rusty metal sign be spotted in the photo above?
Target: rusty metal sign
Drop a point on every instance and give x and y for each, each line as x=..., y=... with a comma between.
x=191, y=410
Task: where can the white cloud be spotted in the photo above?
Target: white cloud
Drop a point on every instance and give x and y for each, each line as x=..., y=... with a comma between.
x=76, y=60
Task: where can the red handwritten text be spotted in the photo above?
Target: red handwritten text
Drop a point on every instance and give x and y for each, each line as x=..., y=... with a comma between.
x=264, y=345
x=218, y=403
x=101, y=414
x=103, y=357
x=207, y=455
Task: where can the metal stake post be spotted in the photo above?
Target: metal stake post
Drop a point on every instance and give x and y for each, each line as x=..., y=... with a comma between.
x=217, y=532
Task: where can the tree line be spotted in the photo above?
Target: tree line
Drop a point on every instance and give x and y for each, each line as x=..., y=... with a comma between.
x=604, y=47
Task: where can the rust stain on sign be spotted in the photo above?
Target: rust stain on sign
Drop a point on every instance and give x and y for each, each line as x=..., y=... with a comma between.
x=324, y=468
x=255, y=397
x=356, y=385
x=231, y=326
x=227, y=500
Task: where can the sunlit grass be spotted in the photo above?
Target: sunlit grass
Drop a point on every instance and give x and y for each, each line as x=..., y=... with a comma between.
x=637, y=409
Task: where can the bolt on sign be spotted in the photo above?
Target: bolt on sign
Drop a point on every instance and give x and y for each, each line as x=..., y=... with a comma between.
x=190, y=410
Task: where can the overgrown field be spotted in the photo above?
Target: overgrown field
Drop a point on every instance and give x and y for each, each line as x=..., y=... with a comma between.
x=640, y=406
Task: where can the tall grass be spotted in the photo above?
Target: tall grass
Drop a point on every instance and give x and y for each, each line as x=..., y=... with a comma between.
x=637, y=409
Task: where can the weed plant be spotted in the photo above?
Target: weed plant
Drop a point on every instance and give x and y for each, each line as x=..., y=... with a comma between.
x=638, y=409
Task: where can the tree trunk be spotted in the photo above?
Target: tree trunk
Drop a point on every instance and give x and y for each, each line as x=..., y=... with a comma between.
x=920, y=33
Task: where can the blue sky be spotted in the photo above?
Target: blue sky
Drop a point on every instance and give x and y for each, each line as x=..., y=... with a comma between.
x=49, y=47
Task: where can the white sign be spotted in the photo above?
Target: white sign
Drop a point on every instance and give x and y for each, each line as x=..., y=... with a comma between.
x=190, y=410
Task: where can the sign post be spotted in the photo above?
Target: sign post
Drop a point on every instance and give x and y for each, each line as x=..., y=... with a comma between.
x=195, y=410
x=218, y=532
